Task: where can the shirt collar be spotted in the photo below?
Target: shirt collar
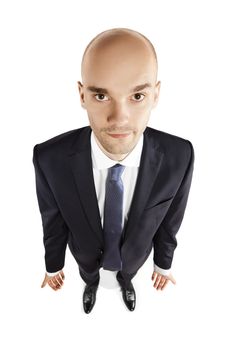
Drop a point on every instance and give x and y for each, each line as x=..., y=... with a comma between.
x=101, y=161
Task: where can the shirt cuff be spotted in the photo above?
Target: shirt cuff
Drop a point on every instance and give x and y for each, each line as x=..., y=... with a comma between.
x=162, y=271
x=52, y=273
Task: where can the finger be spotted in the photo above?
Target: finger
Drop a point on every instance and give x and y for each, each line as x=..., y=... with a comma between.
x=62, y=274
x=58, y=280
x=165, y=283
x=56, y=283
x=157, y=280
x=161, y=282
x=52, y=285
x=154, y=274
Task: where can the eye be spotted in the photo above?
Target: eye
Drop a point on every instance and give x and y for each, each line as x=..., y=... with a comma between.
x=101, y=97
x=138, y=97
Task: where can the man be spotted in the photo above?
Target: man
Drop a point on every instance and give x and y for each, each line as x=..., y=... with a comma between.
x=115, y=189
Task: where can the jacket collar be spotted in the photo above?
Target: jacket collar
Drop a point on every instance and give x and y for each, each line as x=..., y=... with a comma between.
x=81, y=164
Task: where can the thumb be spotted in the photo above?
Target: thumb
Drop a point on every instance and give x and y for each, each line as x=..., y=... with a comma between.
x=172, y=279
x=44, y=282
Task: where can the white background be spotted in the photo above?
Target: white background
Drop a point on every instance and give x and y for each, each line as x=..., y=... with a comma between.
x=41, y=47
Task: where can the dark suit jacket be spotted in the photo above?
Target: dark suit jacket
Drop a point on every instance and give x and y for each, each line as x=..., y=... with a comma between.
x=69, y=209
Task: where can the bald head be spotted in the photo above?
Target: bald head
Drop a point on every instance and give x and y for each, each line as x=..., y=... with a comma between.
x=116, y=44
x=119, y=88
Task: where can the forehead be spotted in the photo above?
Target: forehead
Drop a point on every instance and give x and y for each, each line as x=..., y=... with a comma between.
x=126, y=62
x=116, y=73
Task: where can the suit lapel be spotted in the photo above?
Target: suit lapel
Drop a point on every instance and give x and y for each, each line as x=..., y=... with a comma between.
x=151, y=160
x=81, y=165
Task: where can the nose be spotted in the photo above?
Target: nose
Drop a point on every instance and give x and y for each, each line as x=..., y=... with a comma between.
x=119, y=113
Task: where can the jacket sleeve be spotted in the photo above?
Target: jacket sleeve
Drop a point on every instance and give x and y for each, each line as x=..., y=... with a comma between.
x=164, y=240
x=55, y=230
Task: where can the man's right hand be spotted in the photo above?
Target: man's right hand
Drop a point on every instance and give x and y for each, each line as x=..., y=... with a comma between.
x=55, y=282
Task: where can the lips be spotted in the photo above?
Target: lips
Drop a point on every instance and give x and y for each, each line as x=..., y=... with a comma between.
x=119, y=135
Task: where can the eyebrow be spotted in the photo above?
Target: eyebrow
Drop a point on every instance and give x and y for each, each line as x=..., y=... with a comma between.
x=100, y=90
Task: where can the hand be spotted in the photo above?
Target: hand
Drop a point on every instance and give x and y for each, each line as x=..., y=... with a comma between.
x=55, y=282
x=160, y=281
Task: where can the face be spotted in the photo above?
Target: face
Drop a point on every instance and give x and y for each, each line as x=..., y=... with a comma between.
x=119, y=91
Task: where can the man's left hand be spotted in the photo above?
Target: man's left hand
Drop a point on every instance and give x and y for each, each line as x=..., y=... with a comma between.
x=160, y=281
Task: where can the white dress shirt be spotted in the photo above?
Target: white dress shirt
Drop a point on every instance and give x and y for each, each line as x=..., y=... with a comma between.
x=101, y=163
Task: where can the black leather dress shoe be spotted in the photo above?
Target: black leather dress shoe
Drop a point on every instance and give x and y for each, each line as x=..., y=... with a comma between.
x=129, y=297
x=89, y=298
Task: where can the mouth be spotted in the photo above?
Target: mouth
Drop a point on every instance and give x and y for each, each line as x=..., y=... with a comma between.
x=117, y=136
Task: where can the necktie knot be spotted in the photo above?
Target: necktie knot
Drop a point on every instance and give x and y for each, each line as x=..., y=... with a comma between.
x=116, y=171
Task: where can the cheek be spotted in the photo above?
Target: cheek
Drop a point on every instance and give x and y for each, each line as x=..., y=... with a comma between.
x=97, y=119
x=95, y=109
x=95, y=112
x=140, y=113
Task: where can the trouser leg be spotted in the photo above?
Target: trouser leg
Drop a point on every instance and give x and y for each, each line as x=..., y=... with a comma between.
x=90, y=278
x=125, y=278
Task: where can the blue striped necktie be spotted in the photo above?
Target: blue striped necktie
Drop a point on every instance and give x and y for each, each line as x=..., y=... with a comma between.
x=112, y=225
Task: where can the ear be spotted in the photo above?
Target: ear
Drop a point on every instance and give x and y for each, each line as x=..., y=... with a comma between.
x=81, y=94
x=157, y=92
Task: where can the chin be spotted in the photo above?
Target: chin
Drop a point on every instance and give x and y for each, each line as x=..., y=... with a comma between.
x=119, y=149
